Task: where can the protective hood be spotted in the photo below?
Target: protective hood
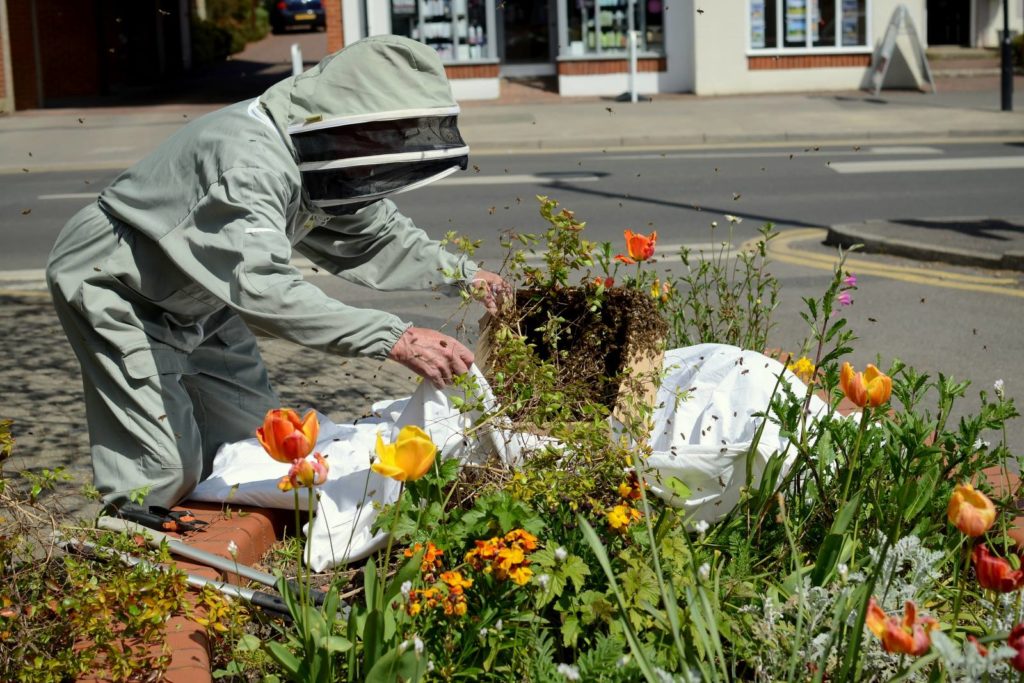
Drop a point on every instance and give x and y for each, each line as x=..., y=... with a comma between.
x=374, y=119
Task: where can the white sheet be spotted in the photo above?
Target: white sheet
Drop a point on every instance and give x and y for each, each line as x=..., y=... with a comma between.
x=704, y=426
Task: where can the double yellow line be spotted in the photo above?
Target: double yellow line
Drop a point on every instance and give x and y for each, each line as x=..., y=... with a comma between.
x=783, y=248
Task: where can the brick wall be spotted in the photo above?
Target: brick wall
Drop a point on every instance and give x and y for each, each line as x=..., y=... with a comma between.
x=471, y=71
x=335, y=25
x=595, y=67
x=808, y=62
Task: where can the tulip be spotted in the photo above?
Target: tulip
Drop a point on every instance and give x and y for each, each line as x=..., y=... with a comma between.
x=408, y=458
x=305, y=474
x=909, y=636
x=1016, y=641
x=970, y=510
x=639, y=247
x=995, y=573
x=287, y=438
x=870, y=388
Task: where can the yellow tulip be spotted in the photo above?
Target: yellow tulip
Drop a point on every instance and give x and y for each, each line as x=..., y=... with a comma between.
x=870, y=388
x=970, y=510
x=408, y=458
x=287, y=438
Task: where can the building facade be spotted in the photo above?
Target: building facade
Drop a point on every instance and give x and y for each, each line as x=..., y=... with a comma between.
x=708, y=47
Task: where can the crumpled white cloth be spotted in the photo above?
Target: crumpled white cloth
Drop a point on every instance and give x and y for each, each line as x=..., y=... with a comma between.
x=703, y=427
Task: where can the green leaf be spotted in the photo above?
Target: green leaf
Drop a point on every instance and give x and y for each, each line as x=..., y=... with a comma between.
x=846, y=514
x=284, y=657
x=576, y=570
x=373, y=632
x=678, y=488
x=370, y=583
x=828, y=557
x=248, y=643
x=394, y=666
x=336, y=644
x=407, y=572
x=571, y=631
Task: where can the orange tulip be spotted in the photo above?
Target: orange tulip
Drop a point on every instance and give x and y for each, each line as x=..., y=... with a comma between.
x=639, y=247
x=995, y=573
x=408, y=458
x=908, y=636
x=970, y=510
x=287, y=438
x=870, y=388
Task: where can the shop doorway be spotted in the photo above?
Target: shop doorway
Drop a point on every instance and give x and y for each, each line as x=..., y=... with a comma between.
x=527, y=42
x=949, y=22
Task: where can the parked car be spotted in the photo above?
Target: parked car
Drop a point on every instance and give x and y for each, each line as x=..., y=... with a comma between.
x=285, y=14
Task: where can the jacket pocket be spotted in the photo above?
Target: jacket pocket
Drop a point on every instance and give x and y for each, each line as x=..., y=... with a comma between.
x=155, y=360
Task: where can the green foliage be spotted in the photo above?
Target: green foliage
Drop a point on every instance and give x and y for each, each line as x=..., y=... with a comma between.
x=244, y=21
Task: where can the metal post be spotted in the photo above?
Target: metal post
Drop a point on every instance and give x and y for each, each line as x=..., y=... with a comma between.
x=296, y=59
x=1007, y=61
x=631, y=28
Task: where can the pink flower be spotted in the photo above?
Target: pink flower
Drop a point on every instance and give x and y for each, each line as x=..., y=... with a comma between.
x=850, y=280
x=305, y=473
x=844, y=299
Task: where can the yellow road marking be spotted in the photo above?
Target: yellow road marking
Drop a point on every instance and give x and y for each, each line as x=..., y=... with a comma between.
x=782, y=249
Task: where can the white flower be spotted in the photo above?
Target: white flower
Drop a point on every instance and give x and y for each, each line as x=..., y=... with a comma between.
x=704, y=572
x=403, y=646
x=1000, y=388
x=232, y=548
x=622, y=661
x=417, y=645
x=714, y=224
x=733, y=219
x=406, y=589
x=980, y=444
x=561, y=553
x=702, y=527
x=843, y=571
x=543, y=580
x=483, y=632
x=571, y=672
x=430, y=665
x=498, y=625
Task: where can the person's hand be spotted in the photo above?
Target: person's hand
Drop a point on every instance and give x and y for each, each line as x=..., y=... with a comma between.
x=490, y=289
x=432, y=355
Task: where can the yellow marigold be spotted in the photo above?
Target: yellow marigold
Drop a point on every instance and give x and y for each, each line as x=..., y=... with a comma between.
x=508, y=557
x=456, y=582
x=621, y=516
x=460, y=609
x=802, y=368
x=431, y=557
x=414, y=608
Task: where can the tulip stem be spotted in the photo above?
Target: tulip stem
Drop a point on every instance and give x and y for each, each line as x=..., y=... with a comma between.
x=962, y=582
x=391, y=538
x=851, y=465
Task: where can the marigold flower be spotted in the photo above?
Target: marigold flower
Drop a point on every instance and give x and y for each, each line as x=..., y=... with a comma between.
x=520, y=575
x=408, y=458
x=908, y=636
x=285, y=437
x=1016, y=641
x=431, y=556
x=456, y=582
x=802, y=368
x=995, y=573
x=621, y=516
x=870, y=388
x=970, y=510
x=523, y=538
x=305, y=474
x=639, y=247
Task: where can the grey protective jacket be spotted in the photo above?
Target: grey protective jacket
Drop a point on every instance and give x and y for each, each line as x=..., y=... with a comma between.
x=224, y=203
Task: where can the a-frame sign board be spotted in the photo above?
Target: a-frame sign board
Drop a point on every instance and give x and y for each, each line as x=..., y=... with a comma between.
x=901, y=23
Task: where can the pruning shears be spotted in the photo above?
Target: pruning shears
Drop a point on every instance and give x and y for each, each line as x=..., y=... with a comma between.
x=160, y=518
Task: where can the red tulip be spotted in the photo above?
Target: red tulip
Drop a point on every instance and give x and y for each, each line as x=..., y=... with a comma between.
x=287, y=438
x=995, y=573
x=1016, y=641
x=640, y=247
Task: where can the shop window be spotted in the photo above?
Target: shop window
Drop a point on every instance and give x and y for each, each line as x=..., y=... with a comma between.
x=602, y=27
x=788, y=25
x=460, y=30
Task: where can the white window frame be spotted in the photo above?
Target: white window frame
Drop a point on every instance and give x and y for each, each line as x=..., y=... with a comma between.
x=600, y=52
x=808, y=48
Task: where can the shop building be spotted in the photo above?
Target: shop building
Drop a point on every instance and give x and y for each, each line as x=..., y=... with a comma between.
x=707, y=47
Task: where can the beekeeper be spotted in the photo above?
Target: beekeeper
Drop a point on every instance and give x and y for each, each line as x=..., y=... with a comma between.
x=162, y=282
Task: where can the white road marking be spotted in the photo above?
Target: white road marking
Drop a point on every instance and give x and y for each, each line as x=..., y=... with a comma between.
x=69, y=195
x=520, y=179
x=23, y=279
x=767, y=154
x=110, y=150
x=923, y=165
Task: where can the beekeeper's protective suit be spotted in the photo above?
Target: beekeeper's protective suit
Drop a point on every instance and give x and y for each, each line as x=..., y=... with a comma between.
x=160, y=284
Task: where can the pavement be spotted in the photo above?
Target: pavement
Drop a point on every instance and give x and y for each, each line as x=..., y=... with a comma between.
x=40, y=367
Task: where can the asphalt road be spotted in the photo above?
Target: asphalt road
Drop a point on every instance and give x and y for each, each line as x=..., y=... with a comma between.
x=902, y=309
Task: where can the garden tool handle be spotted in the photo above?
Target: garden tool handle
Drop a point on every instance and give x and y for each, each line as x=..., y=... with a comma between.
x=180, y=548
